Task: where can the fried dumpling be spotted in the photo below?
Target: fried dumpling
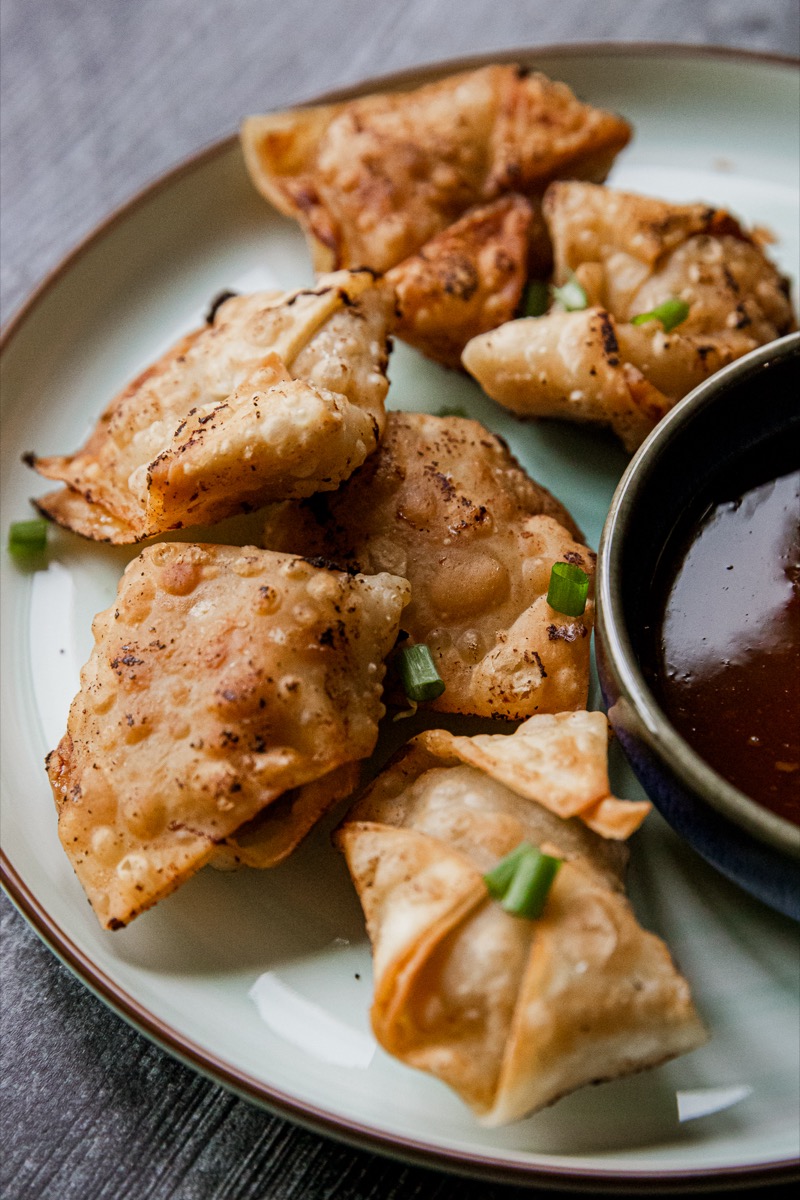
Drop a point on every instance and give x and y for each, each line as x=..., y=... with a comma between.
x=222, y=680
x=630, y=254
x=281, y=395
x=465, y=280
x=566, y=365
x=445, y=505
x=511, y=1013
x=371, y=180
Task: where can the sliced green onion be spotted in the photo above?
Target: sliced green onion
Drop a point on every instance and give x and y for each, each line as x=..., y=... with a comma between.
x=569, y=587
x=28, y=537
x=418, y=673
x=571, y=295
x=454, y=410
x=499, y=878
x=534, y=303
x=529, y=889
x=670, y=314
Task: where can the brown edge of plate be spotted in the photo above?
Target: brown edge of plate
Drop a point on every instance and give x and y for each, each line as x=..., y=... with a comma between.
x=208, y=1064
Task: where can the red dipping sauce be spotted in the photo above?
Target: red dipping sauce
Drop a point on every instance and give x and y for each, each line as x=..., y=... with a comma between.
x=726, y=635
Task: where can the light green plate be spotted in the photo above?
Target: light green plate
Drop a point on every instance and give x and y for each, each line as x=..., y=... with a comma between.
x=722, y=128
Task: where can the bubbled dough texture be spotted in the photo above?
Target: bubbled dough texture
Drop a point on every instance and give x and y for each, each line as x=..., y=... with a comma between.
x=444, y=504
x=375, y=178
x=281, y=396
x=220, y=678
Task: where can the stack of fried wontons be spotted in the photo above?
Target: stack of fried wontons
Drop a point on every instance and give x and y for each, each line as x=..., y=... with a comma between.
x=234, y=692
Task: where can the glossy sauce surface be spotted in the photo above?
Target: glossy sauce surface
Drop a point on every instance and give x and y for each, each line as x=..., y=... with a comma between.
x=727, y=636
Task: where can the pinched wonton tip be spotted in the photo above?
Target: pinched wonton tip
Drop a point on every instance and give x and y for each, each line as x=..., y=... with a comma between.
x=631, y=254
x=372, y=180
x=511, y=1013
x=445, y=505
x=222, y=681
x=280, y=395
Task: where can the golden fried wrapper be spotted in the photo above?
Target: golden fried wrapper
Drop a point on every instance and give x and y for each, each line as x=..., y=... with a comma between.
x=465, y=280
x=511, y=1013
x=631, y=253
x=371, y=180
x=445, y=505
x=221, y=679
x=558, y=759
x=281, y=395
x=278, y=830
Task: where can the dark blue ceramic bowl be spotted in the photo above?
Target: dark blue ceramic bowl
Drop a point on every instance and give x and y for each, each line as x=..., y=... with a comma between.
x=719, y=423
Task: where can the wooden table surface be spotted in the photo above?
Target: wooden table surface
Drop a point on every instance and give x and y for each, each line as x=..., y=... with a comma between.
x=98, y=98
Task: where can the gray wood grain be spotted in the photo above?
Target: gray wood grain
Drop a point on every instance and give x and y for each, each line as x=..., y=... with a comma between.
x=97, y=98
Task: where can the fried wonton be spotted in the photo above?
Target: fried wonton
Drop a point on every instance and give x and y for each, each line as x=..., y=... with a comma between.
x=222, y=679
x=445, y=505
x=371, y=180
x=280, y=395
x=511, y=1013
x=631, y=254
x=465, y=280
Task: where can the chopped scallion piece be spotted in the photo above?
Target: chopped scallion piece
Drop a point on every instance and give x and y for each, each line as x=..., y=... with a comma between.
x=418, y=673
x=571, y=295
x=671, y=313
x=569, y=587
x=499, y=878
x=528, y=891
x=534, y=303
x=454, y=410
x=28, y=537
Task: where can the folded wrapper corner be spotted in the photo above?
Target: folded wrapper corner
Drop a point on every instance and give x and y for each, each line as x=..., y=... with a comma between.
x=511, y=1013
x=280, y=395
x=227, y=686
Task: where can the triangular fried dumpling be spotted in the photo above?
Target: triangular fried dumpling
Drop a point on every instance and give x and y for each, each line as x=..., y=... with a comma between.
x=465, y=280
x=512, y=1013
x=221, y=678
x=281, y=395
x=371, y=180
x=444, y=504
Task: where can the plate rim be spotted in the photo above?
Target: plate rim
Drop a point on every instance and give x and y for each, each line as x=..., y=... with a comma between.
x=206, y=1062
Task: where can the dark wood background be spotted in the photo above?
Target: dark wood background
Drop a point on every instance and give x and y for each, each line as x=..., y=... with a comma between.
x=98, y=98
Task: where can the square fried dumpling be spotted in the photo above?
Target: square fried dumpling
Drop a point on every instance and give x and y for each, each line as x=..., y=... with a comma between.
x=630, y=254
x=280, y=395
x=371, y=180
x=445, y=505
x=465, y=280
x=511, y=1013
x=221, y=680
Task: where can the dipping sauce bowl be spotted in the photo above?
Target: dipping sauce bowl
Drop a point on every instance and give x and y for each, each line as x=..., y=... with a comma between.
x=730, y=428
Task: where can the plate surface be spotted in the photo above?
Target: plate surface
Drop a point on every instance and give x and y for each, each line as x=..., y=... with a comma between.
x=263, y=979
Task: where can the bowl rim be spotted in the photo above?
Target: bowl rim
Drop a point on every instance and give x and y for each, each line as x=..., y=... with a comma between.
x=656, y=728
